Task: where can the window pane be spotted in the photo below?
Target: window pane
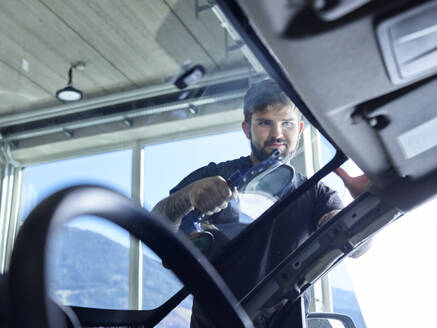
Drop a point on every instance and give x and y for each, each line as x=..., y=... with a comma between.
x=167, y=164
x=110, y=169
x=89, y=259
x=393, y=277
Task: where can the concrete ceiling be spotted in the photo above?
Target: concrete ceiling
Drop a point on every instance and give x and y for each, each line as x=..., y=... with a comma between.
x=125, y=44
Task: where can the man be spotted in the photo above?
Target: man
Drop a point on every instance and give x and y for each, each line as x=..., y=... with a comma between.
x=271, y=121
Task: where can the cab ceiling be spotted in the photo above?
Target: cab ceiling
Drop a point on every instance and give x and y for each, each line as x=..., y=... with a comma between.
x=339, y=72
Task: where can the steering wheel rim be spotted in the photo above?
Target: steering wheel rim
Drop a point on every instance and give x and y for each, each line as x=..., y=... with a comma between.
x=27, y=293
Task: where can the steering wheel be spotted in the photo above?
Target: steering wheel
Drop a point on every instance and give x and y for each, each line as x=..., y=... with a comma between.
x=31, y=306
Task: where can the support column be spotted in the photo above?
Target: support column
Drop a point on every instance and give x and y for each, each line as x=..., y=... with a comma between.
x=10, y=185
x=14, y=217
x=135, y=250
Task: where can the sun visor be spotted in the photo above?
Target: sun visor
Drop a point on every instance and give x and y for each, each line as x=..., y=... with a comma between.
x=409, y=43
x=407, y=127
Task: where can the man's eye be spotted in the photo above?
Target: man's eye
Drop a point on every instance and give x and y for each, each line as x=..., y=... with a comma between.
x=263, y=123
x=288, y=124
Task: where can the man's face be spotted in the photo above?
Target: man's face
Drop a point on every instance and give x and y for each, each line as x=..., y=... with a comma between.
x=276, y=127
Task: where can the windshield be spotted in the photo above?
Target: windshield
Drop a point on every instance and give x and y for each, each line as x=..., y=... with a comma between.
x=163, y=92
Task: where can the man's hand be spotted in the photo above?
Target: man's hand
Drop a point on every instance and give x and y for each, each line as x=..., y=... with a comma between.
x=355, y=185
x=210, y=195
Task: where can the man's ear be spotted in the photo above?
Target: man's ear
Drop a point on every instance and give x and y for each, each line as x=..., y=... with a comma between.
x=300, y=127
x=246, y=129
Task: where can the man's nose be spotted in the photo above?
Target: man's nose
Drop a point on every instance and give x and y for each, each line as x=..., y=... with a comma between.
x=276, y=131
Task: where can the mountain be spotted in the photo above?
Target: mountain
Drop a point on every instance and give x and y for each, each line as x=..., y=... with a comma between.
x=89, y=269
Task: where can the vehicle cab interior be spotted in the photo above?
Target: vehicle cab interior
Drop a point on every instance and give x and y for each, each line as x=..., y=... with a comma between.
x=111, y=108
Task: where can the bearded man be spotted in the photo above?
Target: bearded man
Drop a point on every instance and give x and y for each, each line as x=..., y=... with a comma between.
x=271, y=121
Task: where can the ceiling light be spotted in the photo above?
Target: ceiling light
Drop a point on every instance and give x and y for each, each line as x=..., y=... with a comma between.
x=189, y=76
x=69, y=93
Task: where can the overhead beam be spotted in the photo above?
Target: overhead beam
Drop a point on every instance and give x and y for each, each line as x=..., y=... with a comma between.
x=122, y=97
x=86, y=141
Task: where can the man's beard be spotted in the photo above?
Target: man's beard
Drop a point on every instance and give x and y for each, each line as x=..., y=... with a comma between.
x=262, y=154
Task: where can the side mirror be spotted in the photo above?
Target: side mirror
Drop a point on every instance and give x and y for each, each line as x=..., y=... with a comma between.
x=329, y=320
